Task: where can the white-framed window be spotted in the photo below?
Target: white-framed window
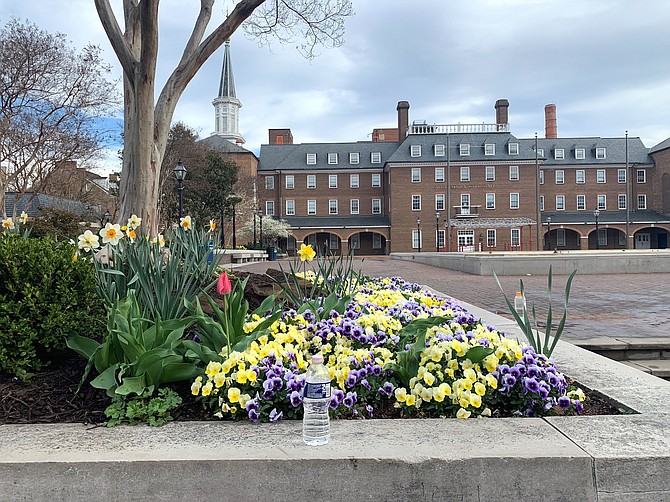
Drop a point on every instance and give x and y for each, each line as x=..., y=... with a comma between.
x=376, y=180
x=514, y=173
x=541, y=177
x=541, y=202
x=332, y=158
x=560, y=176
x=354, y=206
x=269, y=207
x=290, y=182
x=416, y=203
x=560, y=237
x=439, y=174
x=416, y=175
x=621, y=175
x=354, y=157
x=559, y=154
x=641, y=175
x=514, y=200
x=490, y=201
x=465, y=203
x=465, y=173
x=491, y=237
x=580, y=176
x=332, y=181
x=540, y=152
x=513, y=148
x=311, y=159
x=415, y=150
x=416, y=239
x=376, y=241
x=311, y=206
x=621, y=201
x=376, y=206
x=439, y=150
x=353, y=181
x=441, y=234
x=311, y=181
x=290, y=207
x=581, y=202
x=641, y=201
x=515, y=237
x=464, y=149
x=439, y=202
x=489, y=149
x=602, y=237
x=490, y=173
x=601, y=176
x=332, y=206
x=560, y=202
x=375, y=157
x=602, y=202
x=600, y=153
x=269, y=182
x=334, y=242
x=580, y=153
x=465, y=239
x=355, y=241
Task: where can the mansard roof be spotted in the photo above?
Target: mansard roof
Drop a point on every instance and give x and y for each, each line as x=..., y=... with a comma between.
x=615, y=150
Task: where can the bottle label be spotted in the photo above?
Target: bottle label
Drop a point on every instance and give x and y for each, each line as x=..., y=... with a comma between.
x=317, y=390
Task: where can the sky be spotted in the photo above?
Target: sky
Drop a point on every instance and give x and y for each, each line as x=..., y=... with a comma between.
x=604, y=63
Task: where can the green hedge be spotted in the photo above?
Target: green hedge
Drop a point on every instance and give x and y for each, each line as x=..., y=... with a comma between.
x=44, y=295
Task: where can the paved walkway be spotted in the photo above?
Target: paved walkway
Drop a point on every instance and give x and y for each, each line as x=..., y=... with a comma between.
x=613, y=305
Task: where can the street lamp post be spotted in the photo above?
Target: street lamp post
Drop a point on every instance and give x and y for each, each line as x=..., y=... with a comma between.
x=180, y=174
x=437, y=231
x=596, y=213
x=418, y=232
x=548, y=233
x=106, y=217
x=260, y=218
x=254, y=216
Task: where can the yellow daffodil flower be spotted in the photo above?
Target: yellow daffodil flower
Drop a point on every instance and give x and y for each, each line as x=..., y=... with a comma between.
x=306, y=252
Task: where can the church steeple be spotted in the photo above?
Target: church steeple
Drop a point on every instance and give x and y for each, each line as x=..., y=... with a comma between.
x=226, y=105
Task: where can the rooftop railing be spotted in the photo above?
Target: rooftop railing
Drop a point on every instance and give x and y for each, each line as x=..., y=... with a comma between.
x=456, y=128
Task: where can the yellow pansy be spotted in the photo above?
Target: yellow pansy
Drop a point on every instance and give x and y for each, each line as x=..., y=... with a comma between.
x=410, y=400
x=400, y=394
x=234, y=394
x=463, y=413
x=207, y=389
x=475, y=400
x=480, y=389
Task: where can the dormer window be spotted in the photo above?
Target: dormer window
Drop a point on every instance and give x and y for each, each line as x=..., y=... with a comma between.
x=332, y=158
x=600, y=153
x=540, y=152
x=415, y=150
x=354, y=158
x=580, y=153
x=464, y=149
x=376, y=157
x=311, y=159
x=489, y=149
x=513, y=148
x=559, y=154
x=439, y=150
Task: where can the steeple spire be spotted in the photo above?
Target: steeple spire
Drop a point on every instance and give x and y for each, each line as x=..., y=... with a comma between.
x=226, y=105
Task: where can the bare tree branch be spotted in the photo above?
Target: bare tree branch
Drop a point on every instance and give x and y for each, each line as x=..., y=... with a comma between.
x=116, y=38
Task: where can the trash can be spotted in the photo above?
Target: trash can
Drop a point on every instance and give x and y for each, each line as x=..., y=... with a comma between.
x=272, y=253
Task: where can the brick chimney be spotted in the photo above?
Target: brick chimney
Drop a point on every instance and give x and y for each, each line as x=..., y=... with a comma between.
x=502, y=112
x=280, y=137
x=403, y=119
x=550, y=129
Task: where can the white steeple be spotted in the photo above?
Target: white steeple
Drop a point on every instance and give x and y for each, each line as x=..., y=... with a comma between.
x=226, y=105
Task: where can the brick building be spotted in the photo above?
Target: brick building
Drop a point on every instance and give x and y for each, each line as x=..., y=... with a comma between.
x=460, y=187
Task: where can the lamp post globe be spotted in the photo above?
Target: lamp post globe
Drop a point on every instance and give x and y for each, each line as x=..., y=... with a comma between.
x=180, y=175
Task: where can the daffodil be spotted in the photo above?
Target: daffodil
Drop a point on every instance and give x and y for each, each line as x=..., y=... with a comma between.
x=8, y=224
x=111, y=234
x=23, y=218
x=306, y=252
x=88, y=241
x=134, y=221
x=131, y=234
x=185, y=222
x=212, y=225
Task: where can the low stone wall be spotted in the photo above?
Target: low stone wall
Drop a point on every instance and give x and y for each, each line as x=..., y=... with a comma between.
x=563, y=262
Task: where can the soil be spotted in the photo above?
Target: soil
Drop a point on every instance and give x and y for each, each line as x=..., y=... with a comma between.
x=50, y=396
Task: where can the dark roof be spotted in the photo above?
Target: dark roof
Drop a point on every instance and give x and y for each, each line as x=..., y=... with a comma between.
x=33, y=204
x=337, y=221
x=475, y=140
x=220, y=144
x=663, y=145
x=615, y=150
x=294, y=157
x=605, y=217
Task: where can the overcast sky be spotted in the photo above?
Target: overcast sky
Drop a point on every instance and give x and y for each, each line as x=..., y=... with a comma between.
x=604, y=63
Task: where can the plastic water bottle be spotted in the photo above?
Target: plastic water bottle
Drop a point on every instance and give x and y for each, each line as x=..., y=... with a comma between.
x=519, y=304
x=315, y=401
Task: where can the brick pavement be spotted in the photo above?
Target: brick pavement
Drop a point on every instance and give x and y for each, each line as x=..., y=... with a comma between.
x=620, y=305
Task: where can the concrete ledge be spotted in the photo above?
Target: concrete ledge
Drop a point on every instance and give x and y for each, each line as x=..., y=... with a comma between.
x=632, y=261
x=589, y=458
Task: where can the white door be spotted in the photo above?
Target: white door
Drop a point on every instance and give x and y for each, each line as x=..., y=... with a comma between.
x=642, y=241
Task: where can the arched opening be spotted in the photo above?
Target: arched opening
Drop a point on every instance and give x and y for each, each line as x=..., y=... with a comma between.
x=607, y=238
x=367, y=243
x=562, y=239
x=325, y=243
x=651, y=238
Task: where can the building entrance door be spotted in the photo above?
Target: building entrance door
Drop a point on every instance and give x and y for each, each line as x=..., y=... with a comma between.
x=642, y=241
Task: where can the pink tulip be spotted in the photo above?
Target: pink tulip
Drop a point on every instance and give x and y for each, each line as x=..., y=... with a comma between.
x=223, y=286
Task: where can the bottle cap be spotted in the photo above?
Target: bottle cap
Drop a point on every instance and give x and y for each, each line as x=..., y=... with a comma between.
x=317, y=359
